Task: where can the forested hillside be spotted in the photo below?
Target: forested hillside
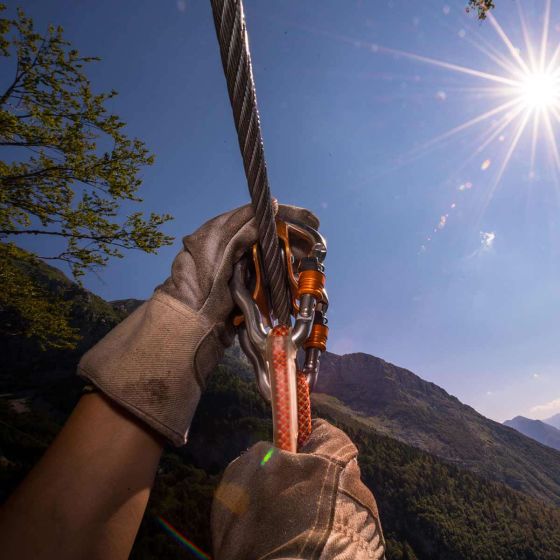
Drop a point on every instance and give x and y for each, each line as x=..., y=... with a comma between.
x=430, y=509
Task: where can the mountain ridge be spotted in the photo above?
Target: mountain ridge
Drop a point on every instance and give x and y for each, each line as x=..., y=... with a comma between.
x=424, y=415
x=536, y=429
x=554, y=421
x=401, y=404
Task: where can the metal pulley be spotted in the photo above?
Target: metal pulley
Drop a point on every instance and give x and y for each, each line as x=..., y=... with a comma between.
x=304, y=250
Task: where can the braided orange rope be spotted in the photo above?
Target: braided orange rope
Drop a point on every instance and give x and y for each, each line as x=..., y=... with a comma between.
x=280, y=354
x=304, y=409
x=291, y=408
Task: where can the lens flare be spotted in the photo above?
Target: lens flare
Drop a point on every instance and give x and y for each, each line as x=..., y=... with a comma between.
x=181, y=539
x=267, y=457
x=523, y=92
x=526, y=86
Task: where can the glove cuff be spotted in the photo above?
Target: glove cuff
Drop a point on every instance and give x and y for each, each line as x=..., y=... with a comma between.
x=146, y=364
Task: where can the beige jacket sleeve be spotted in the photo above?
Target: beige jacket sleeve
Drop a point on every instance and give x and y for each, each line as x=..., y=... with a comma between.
x=313, y=505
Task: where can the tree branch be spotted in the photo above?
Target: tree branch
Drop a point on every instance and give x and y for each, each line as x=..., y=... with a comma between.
x=34, y=144
x=11, y=88
x=19, y=75
x=109, y=239
x=46, y=170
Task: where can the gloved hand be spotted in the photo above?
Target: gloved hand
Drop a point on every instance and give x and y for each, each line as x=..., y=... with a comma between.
x=283, y=505
x=156, y=362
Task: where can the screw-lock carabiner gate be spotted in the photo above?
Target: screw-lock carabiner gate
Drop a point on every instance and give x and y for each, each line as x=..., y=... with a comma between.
x=272, y=350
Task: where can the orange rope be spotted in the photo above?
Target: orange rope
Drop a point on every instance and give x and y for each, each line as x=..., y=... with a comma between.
x=304, y=409
x=288, y=396
x=281, y=392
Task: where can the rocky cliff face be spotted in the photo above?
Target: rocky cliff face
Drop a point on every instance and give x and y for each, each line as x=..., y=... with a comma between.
x=400, y=404
x=126, y=306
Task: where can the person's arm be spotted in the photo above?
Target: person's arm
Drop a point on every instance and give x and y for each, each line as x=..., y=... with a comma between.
x=87, y=495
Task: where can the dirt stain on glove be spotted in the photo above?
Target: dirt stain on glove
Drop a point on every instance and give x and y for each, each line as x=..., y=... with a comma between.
x=157, y=390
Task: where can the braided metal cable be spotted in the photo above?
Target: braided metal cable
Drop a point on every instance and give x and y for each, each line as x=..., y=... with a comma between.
x=231, y=29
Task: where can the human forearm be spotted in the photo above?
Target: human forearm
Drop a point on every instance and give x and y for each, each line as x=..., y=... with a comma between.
x=87, y=495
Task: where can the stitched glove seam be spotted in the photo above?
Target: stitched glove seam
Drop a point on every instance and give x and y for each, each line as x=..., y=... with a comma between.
x=207, y=327
x=222, y=266
x=126, y=404
x=181, y=308
x=201, y=379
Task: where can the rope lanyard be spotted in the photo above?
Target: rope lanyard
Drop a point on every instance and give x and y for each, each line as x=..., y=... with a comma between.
x=273, y=351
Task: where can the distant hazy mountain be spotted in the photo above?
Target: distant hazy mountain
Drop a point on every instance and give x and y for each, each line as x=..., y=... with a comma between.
x=539, y=431
x=553, y=421
x=398, y=403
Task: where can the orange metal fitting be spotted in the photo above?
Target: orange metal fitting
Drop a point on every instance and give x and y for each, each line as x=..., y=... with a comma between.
x=311, y=282
x=317, y=338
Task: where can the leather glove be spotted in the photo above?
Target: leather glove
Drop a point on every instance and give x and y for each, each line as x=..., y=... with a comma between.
x=156, y=362
x=306, y=505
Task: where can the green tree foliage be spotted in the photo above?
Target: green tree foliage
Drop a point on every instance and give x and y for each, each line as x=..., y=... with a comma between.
x=43, y=315
x=481, y=7
x=66, y=168
x=28, y=309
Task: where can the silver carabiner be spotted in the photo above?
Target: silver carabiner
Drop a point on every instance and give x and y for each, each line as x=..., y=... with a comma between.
x=253, y=333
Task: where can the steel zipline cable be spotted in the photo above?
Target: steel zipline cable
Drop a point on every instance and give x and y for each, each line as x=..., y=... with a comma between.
x=231, y=29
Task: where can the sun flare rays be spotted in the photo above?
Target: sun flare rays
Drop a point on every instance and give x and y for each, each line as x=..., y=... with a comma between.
x=524, y=92
x=519, y=108
x=516, y=91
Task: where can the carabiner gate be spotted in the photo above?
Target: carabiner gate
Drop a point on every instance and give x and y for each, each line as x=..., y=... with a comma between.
x=304, y=250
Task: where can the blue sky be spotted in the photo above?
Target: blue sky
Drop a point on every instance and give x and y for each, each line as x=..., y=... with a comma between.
x=433, y=264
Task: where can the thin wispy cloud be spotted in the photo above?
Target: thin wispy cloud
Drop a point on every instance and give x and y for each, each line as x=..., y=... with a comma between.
x=487, y=239
x=547, y=409
x=344, y=345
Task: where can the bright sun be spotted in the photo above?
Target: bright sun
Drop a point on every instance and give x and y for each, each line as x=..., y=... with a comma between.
x=540, y=90
x=523, y=92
